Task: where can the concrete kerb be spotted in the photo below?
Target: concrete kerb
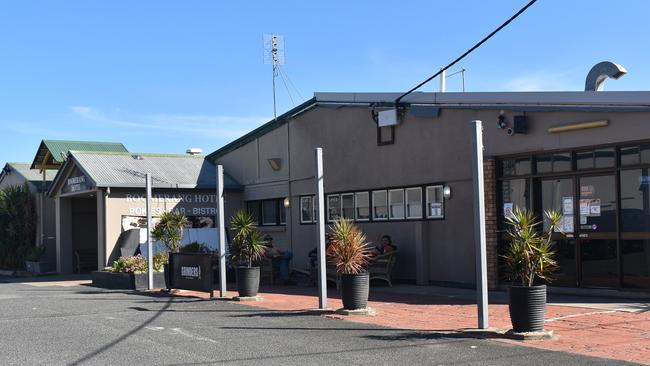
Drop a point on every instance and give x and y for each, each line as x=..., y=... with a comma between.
x=247, y=298
x=508, y=333
x=356, y=312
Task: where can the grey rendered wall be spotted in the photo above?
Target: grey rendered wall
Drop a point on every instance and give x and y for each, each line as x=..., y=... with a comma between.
x=249, y=166
x=424, y=152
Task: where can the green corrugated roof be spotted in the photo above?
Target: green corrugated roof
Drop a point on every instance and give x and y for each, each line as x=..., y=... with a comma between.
x=58, y=149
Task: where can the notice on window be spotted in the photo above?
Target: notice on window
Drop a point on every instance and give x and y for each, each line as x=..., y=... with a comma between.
x=566, y=224
x=587, y=191
x=508, y=210
x=594, y=207
x=435, y=209
x=567, y=205
x=583, y=219
x=584, y=207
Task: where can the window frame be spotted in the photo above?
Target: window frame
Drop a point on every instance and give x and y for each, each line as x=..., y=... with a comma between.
x=407, y=203
x=356, y=206
x=349, y=194
x=328, y=216
x=428, y=201
x=390, y=205
x=372, y=205
x=313, y=213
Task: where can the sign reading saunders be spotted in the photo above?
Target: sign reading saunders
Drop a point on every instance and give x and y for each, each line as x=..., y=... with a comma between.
x=191, y=271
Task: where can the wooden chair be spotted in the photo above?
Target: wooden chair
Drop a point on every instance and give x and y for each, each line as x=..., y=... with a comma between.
x=86, y=260
x=268, y=270
x=381, y=267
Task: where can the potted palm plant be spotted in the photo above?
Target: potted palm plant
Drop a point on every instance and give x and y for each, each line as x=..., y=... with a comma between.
x=246, y=248
x=530, y=257
x=169, y=230
x=350, y=253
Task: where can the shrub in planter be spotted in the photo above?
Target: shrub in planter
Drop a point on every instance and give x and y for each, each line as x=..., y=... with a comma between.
x=33, y=256
x=130, y=273
x=246, y=248
x=350, y=253
x=529, y=257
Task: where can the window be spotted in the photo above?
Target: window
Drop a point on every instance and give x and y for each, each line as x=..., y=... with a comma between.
x=435, y=202
x=516, y=166
x=270, y=212
x=267, y=212
x=414, y=203
x=308, y=210
x=558, y=162
x=253, y=208
x=283, y=212
x=601, y=158
x=380, y=205
x=347, y=206
x=396, y=204
x=333, y=207
x=362, y=206
x=630, y=155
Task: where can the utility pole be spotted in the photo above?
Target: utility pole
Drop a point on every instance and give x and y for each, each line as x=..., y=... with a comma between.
x=320, y=201
x=222, y=233
x=149, y=228
x=479, y=225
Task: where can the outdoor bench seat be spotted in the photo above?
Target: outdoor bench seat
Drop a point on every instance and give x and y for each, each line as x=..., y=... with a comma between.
x=86, y=260
x=381, y=267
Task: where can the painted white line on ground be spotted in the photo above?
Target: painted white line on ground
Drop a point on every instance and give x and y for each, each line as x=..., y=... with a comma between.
x=189, y=335
x=579, y=315
x=155, y=328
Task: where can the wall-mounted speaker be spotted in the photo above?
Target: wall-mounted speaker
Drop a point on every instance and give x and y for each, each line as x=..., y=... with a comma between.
x=520, y=125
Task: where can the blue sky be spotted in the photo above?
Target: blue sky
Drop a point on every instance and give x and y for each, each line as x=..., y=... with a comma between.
x=161, y=76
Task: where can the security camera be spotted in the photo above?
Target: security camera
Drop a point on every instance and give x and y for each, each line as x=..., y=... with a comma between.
x=510, y=131
x=502, y=122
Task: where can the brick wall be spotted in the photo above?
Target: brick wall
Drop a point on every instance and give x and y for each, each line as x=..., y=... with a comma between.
x=489, y=171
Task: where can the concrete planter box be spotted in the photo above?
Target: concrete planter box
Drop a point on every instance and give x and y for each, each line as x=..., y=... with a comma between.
x=36, y=267
x=126, y=281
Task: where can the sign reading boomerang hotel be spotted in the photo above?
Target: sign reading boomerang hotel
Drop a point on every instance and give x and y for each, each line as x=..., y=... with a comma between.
x=195, y=204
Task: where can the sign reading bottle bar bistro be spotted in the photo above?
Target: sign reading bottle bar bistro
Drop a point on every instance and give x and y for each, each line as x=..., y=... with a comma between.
x=186, y=204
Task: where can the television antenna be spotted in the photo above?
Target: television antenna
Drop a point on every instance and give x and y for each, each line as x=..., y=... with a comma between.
x=274, y=55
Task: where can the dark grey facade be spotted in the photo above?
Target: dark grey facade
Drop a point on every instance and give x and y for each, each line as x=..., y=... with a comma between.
x=431, y=149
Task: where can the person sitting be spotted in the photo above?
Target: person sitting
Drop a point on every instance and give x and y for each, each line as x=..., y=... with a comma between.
x=279, y=258
x=385, y=246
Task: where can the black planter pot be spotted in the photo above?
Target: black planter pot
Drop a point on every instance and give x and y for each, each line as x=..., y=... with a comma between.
x=527, y=307
x=167, y=272
x=248, y=281
x=354, y=290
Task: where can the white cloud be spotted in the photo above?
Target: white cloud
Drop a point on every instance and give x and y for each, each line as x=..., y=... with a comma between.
x=220, y=126
x=542, y=80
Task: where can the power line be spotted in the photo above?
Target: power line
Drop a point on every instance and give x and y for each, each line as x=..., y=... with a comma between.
x=468, y=51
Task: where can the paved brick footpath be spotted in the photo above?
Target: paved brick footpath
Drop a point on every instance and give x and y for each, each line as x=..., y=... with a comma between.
x=589, y=331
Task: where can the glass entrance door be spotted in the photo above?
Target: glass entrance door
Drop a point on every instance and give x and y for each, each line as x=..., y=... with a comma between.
x=558, y=194
x=597, y=227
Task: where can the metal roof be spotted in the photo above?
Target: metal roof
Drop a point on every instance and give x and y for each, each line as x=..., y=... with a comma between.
x=52, y=153
x=602, y=101
x=128, y=170
x=31, y=175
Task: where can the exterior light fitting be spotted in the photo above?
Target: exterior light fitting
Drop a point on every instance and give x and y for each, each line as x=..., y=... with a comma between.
x=275, y=163
x=446, y=192
x=287, y=202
